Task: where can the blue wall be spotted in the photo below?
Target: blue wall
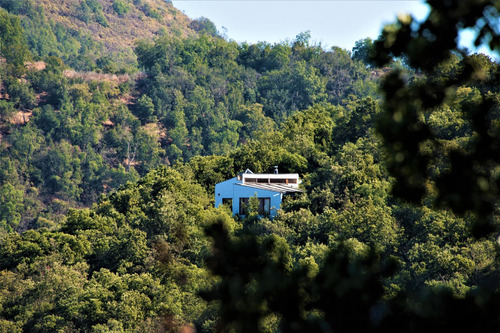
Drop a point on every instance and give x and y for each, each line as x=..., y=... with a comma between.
x=230, y=189
x=224, y=190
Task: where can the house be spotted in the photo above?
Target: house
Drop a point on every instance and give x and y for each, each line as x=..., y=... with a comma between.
x=269, y=188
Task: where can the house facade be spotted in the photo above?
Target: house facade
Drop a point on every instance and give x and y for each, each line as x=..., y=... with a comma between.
x=269, y=188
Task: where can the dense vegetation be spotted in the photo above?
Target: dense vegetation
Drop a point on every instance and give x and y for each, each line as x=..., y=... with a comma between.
x=96, y=34
x=203, y=95
x=106, y=199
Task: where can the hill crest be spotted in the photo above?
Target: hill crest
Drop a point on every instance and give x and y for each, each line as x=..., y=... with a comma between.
x=118, y=23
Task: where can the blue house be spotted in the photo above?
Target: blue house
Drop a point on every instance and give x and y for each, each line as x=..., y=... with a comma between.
x=269, y=188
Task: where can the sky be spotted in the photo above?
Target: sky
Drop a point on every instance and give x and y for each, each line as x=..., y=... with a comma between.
x=331, y=22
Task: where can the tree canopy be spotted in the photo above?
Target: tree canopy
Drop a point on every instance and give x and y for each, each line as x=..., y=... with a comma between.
x=107, y=181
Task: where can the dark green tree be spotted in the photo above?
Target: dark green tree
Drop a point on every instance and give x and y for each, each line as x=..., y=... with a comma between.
x=11, y=206
x=363, y=50
x=205, y=26
x=429, y=45
x=13, y=45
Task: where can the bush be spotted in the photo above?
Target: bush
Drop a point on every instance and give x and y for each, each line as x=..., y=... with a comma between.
x=6, y=111
x=120, y=7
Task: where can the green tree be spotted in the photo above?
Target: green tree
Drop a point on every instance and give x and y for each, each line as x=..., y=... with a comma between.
x=363, y=50
x=147, y=148
x=11, y=206
x=121, y=7
x=210, y=170
x=13, y=46
x=48, y=121
x=84, y=13
x=145, y=108
x=7, y=110
x=21, y=94
x=205, y=26
x=428, y=45
x=275, y=287
x=60, y=170
x=293, y=88
x=27, y=141
x=179, y=131
x=254, y=121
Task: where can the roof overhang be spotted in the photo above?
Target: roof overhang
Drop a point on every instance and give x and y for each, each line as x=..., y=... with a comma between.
x=273, y=187
x=271, y=175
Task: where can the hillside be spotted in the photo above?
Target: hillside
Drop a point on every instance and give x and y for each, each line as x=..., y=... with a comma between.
x=109, y=154
x=127, y=21
x=88, y=34
x=196, y=95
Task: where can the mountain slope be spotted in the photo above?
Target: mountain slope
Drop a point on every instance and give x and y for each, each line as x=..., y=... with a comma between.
x=96, y=34
x=118, y=23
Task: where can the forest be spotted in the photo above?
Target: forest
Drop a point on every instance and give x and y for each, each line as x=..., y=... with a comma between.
x=109, y=154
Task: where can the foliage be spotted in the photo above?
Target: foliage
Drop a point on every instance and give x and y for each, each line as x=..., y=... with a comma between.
x=121, y=7
x=112, y=265
x=213, y=95
x=7, y=110
x=106, y=182
x=205, y=26
x=427, y=46
x=363, y=50
x=13, y=46
x=11, y=204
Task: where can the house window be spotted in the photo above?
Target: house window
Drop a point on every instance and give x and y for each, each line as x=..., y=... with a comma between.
x=228, y=202
x=264, y=206
x=243, y=206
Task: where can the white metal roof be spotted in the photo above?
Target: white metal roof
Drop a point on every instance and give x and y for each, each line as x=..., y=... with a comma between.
x=273, y=187
x=272, y=175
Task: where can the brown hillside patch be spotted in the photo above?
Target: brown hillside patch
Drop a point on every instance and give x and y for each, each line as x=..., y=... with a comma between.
x=41, y=97
x=152, y=128
x=127, y=99
x=93, y=76
x=157, y=130
x=122, y=32
x=108, y=123
x=21, y=117
x=37, y=66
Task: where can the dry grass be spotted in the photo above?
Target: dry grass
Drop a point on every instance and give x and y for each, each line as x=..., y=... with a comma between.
x=36, y=66
x=124, y=31
x=93, y=76
x=21, y=117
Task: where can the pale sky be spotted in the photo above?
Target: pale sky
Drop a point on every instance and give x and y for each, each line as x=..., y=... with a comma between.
x=333, y=22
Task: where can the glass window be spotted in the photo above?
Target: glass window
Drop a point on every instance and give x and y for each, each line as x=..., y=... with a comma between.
x=228, y=202
x=264, y=206
x=243, y=206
